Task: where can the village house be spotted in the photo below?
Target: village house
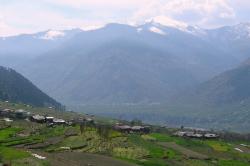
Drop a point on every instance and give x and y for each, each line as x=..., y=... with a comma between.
x=137, y=128
x=37, y=118
x=140, y=129
x=190, y=134
x=180, y=133
x=195, y=134
x=7, y=113
x=131, y=129
x=14, y=114
x=81, y=120
x=7, y=120
x=57, y=121
x=210, y=135
x=21, y=114
x=195, y=129
x=89, y=120
x=123, y=128
x=49, y=119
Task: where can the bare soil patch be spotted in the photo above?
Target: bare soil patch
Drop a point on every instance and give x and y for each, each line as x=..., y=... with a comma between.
x=81, y=159
x=187, y=152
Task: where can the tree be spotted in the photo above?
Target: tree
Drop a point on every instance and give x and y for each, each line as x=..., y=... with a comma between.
x=104, y=131
x=1, y=159
x=136, y=122
x=82, y=127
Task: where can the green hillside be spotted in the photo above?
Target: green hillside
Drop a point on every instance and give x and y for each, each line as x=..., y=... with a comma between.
x=229, y=87
x=15, y=88
x=29, y=143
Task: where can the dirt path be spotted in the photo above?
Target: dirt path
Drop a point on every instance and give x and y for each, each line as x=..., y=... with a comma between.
x=81, y=159
x=188, y=153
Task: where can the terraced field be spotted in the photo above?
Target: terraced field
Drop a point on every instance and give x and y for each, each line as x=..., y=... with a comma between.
x=27, y=143
x=186, y=152
x=78, y=158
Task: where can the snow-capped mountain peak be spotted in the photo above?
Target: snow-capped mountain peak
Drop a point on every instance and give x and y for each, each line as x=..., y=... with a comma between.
x=52, y=35
x=244, y=25
x=157, y=30
x=166, y=21
x=139, y=30
x=158, y=25
x=237, y=32
x=242, y=29
x=196, y=30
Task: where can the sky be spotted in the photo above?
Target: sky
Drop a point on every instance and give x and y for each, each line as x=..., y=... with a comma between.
x=29, y=16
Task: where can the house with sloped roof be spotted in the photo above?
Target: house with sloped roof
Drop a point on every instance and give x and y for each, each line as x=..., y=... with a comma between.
x=49, y=119
x=123, y=128
x=37, y=118
x=210, y=135
x=21, y=114
x=59, y=121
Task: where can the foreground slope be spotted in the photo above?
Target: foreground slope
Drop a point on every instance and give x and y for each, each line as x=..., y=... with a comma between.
x=25, y=142
x=15, y=88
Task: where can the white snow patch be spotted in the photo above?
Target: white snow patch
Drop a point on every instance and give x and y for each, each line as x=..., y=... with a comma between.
x=38, y=156
x=196, y=30
x=166, y=21
x=52, y=34
x=241, y=30
x=160, y=21
x=93, y=27
x=157, y=30
x=139, y=30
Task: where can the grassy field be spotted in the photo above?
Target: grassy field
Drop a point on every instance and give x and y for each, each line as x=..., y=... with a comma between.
x=154, y=149
x=23, y=138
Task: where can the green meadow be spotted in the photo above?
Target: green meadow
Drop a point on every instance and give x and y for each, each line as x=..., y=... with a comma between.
x=20, y=139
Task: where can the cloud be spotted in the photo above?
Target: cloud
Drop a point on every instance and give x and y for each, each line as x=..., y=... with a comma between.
x=100, y=3
x=6, y=29
x=200, y=12
x=31, y=16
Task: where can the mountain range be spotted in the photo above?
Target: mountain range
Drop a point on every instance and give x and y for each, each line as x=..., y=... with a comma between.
x=16, y=50
x=222, y=102
x=149, y=64
x=232, y=86
x=120, y=64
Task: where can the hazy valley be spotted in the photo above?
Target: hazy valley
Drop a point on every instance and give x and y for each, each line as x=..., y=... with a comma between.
x=162, y=70
x=125, y=83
